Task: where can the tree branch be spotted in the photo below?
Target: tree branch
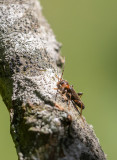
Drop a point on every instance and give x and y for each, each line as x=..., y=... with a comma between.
x=41, y=127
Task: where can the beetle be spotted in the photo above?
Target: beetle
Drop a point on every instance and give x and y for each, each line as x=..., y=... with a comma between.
x=67, y=90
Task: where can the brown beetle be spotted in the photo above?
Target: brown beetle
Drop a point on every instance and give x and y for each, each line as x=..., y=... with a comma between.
x=65, y=89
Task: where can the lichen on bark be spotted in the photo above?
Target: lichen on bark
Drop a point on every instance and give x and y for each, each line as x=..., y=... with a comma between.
x=29, y=62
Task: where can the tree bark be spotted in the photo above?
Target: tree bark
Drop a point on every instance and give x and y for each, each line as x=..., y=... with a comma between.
x=41, y=128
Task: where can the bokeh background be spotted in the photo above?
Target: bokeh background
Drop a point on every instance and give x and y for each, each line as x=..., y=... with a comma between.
x=88, y=31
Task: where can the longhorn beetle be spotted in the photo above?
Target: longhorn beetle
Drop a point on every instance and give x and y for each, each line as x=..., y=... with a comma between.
x=65, y=89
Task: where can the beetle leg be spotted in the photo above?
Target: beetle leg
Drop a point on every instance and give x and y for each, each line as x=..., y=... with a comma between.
x=65, y=97
x=68, y=104
x=56, y=88
x=59, y=107
x=75, y=106
x=69, y=101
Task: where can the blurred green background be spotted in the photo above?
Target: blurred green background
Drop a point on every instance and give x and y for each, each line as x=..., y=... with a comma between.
x=88, y=32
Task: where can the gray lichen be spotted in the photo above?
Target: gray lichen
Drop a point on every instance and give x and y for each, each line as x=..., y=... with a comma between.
x=29, y=62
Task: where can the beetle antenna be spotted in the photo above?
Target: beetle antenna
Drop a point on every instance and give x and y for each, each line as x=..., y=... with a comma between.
x=63, y=68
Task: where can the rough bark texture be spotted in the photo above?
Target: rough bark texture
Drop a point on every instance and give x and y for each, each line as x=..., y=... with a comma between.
x=29, y=62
